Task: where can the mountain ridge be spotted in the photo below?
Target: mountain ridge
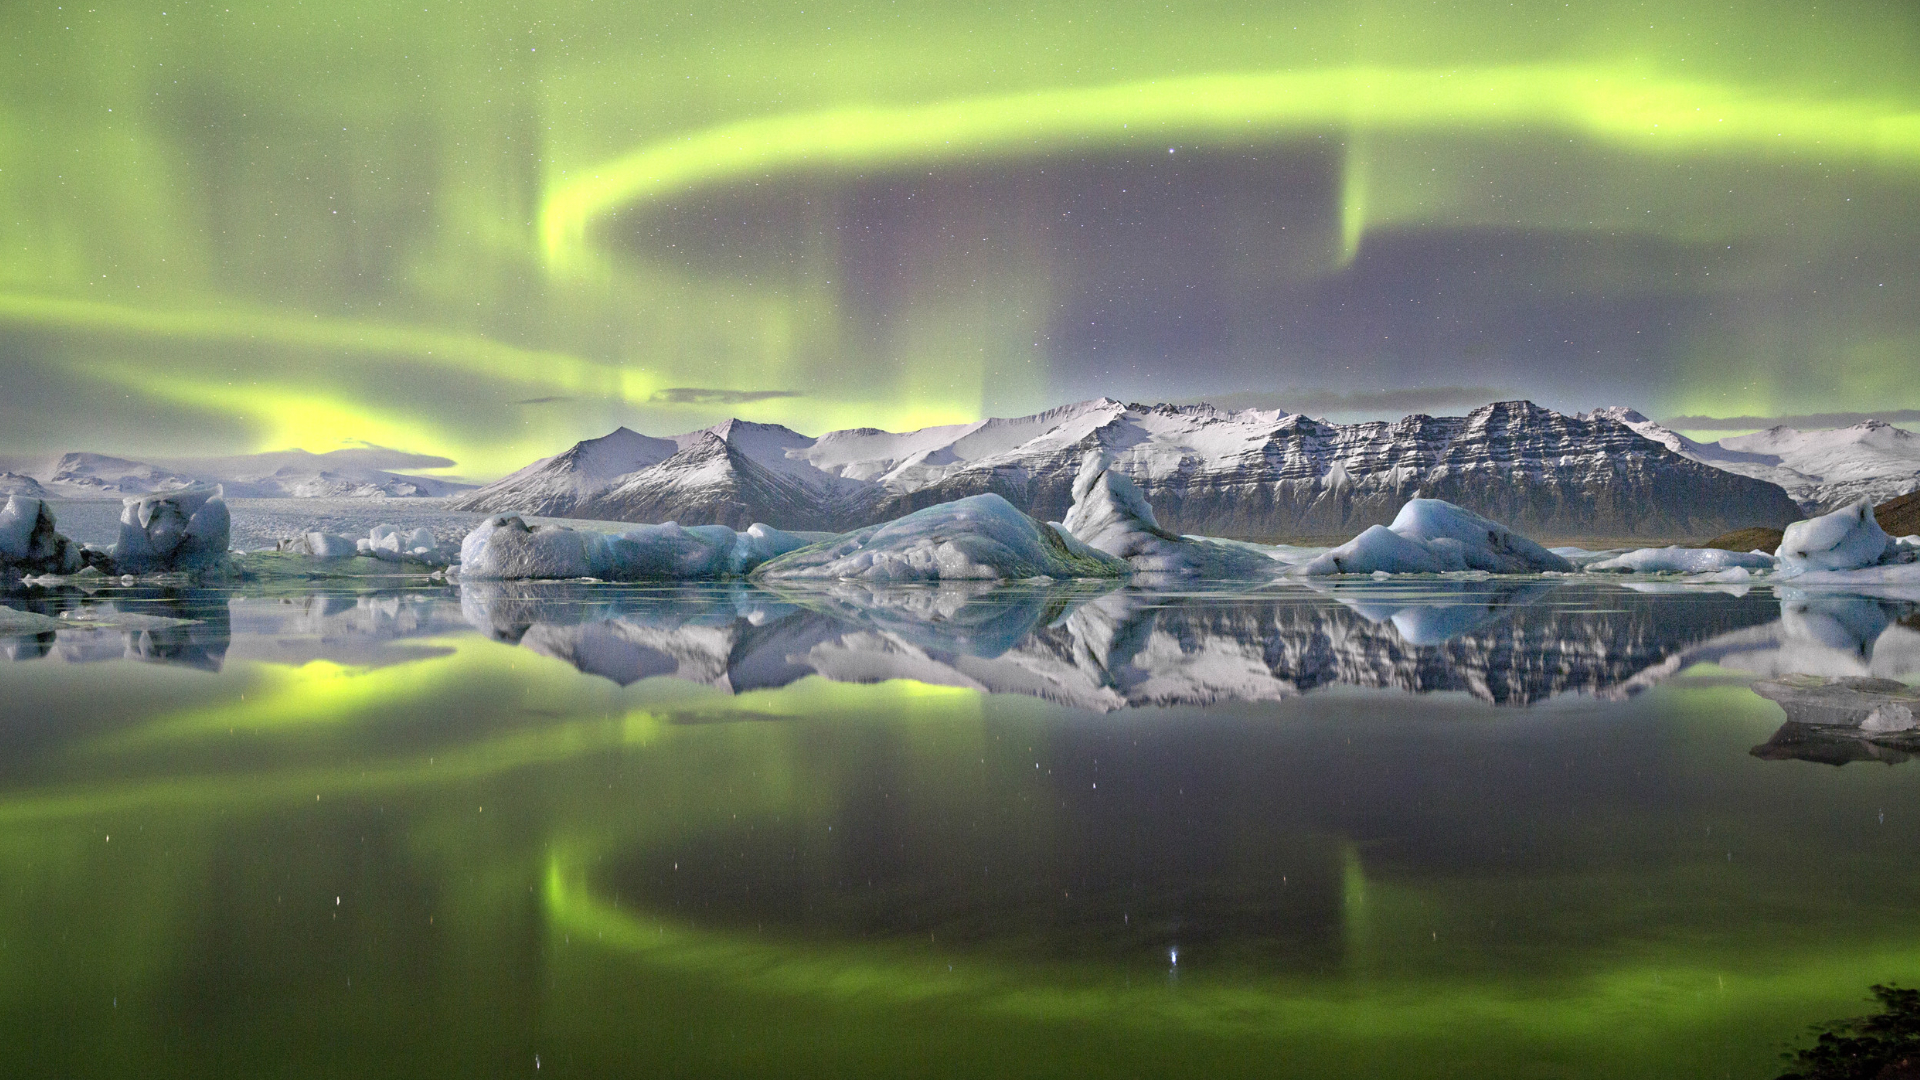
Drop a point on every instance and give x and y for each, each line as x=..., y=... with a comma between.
x=1253, y=474
x=1816, y=468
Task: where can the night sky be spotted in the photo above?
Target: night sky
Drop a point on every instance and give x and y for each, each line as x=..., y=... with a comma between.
x=484, y=230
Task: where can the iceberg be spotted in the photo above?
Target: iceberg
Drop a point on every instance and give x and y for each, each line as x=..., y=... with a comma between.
x=1110, y=514
x=388, y=544
x=1684, y=560
x=978, y=538
x=507, y=548
x=320, y=545
x=1431, y=536
x=175, y=530
x=1847, y=539
x=29, y=543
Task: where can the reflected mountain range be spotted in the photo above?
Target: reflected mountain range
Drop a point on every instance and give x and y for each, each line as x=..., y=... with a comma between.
x=1090, y=646
x=1502, y=642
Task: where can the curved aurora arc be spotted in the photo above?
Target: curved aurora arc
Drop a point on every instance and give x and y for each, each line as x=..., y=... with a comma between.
x=485, y=252
x=1645, y=114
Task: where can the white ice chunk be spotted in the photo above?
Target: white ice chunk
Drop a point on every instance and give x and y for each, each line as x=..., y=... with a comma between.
x=1111, y=514
x=1486, y=544
x=30, y=543
x=505, y=547
x=175, y=530
x=1847, y=539
x=1684, y=560
x=982, y=537
x=1430, y=536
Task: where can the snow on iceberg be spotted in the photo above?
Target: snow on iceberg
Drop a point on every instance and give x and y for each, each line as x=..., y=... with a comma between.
x=1847, y=539
x=1431, y=536
x=1110, y=514
x=1684, y=560
x=29, y=542
x=978, y=538
x=175, y=530
x=507, y=548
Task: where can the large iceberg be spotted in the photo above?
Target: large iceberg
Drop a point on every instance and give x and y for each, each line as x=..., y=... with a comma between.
x=507, y=548
x=1683, y=560
x=1431, y=536
x=174, y=530
x=1110, y=514
x=30, y=544
x=1847, y=539
x=978, y=538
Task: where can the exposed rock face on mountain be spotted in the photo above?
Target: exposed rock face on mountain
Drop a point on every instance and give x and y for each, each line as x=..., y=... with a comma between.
x=1251, y=474
x=1821, y=470
x=556, y=486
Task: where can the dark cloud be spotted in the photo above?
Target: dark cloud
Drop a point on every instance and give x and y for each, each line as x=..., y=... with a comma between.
x=1803, y=421
x=1385, y=403
x=702, y=395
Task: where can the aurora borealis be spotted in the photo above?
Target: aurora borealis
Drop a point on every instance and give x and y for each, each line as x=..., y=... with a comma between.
x=483, y=230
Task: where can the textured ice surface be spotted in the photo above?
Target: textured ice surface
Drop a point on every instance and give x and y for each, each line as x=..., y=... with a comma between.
x=174, y=530
x=1110, y=514
x=29, y=542
x=320, y=545
x=981, y=537
x=508, y=548
x=1683, y=560
x=1431, y=536
x=1847, y=539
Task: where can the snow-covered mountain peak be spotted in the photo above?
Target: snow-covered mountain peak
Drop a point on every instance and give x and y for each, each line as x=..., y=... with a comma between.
x=1820, y=469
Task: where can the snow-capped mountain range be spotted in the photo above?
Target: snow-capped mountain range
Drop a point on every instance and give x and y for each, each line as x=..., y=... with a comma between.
x=1821, y=470
x=287, y=474
x=1251, y=474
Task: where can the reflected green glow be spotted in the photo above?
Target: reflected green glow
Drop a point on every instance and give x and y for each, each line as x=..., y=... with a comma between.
x=505, y=784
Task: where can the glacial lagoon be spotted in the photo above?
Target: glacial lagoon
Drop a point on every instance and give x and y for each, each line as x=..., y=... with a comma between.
x=1422, y=827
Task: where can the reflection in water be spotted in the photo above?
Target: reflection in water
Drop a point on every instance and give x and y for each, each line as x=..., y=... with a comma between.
x=189, y=627
x=374, y=841
x=1107, y=649
x=1838, y=720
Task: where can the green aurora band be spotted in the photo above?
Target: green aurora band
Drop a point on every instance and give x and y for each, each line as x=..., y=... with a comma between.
x=482, y=230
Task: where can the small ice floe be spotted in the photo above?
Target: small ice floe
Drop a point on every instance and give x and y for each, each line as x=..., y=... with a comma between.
x=1431, y=536
x=1111, y=514
x=508, y=548
x=978, y=538
x=389, y=544
x=1685, y=560
x=1837, y=720
x=320, y=545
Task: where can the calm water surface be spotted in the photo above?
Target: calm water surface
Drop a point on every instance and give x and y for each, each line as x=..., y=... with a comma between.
x=1471, y=829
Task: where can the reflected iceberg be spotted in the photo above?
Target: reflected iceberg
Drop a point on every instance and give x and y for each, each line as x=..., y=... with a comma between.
x=1106, y=648
x=185, y=627
x=1824, y=634
x=1837, y=720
